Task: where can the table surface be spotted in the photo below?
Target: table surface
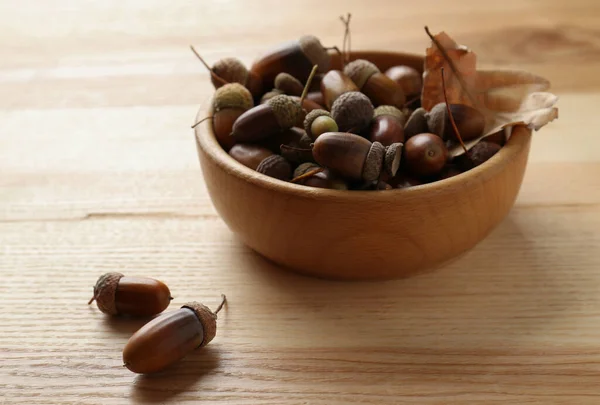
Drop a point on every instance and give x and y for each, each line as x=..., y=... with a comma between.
x=98, y=173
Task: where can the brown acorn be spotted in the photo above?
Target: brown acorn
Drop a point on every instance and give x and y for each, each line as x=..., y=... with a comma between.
x=116, y=294
x=425, y=154
x=275, y=166
x=387, y=126
x=334, y=84
x=318, y=122
x=288, y=84
x=270, y=94
x=354, y=157
x=276, y=115
x=416, y=123
x=290, y=136
x=469, y=121
x=249, y=155
x=378, y=87
x=295, y=57
x=316, y=97
x=228, y=103
x=170, y=337
x=481, y=152
x=352, y=111
x=450, y=170
x=232, y=70
x=408, y=78
x=324, y=179
x=299, y=151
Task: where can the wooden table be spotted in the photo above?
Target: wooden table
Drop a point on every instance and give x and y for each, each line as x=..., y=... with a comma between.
x=98, y=172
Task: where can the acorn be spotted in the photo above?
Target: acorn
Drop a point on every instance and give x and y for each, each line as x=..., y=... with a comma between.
x=290, y=136
x=378, y=87
x=334, y=84
x=425, y=154
x=275, y=166
x=324, y=179
x=416, y=123
x=295, y=57
x=249, y=155
x=116, y=294
x=318, y=122
x=299, y=151
x=270, y=94
x=481, y=152
x=469, y=121
x=170, y=337
x=387, y=126
x=408, y=78
x=278, y=114
x=354, y=157
x=352, y=111
x=228, y=103
x=232, y=70
x=288, y=84
x=316, y=97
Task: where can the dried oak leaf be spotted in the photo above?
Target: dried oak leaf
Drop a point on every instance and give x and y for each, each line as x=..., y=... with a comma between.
x=505, y=98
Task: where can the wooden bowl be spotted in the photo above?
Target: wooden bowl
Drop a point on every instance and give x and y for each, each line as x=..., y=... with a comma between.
x=363, y=234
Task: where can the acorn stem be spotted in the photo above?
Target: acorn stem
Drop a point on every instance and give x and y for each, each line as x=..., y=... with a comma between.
x=201, y=121
x=307, y=174
x=92, y=300
x=308, y=82
x=452, y=66
x=347, y=38
x=451, y=117
x=223, y=301
x=213, y=74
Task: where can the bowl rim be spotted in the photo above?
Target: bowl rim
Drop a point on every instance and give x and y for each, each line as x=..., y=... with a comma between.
x=207, y=142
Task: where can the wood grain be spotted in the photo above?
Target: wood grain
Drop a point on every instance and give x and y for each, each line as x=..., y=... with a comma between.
x=98, y=172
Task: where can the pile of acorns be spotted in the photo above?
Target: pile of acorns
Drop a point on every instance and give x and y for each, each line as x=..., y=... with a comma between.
x=293, y=118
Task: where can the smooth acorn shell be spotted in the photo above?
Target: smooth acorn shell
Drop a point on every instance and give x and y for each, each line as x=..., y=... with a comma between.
x=342, y=152
x=425, y=154
x=384, y=91
x=249, y=155
x=255, y=124
x=316, y=97
x=141, y=296
x=386, y=130
x=286, y=57
x=334, y=84
x=223, y=124
x=163, y=341
x=408, y=78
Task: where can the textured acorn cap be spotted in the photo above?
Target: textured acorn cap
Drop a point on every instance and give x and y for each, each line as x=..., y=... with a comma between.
x=305, y=168
x=269, y=95
x=311, y=116
x=373, y=162
x=436, y=119
x=207, y=318
x=231, y=70
x=416, y=124
x=352, y=110
x=390, y=110
x=105, y=290
x=275, y=166
x=287, y=110
x=232, y=95
x=393, y=155
x=315, y=52
x=359, y=71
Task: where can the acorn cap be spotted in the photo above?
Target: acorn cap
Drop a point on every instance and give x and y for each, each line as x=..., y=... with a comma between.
x=275, y=166
x=232, y=95
x=359, y=71
x=207, y=318
x=352, y=110
x=436, y=119
x=390, y=110
x=416, y=124
x=305, y=168
x=373, y=162
x=232, y=70
x=288, y=84
x=287, y=111
x=393, y=155
x=105, y=290
x=315, y=52
x=311, y=116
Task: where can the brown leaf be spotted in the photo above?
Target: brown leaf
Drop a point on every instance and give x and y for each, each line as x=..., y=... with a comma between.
x=505, y=98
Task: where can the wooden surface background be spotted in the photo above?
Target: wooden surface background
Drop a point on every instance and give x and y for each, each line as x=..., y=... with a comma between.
x=98, y=172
